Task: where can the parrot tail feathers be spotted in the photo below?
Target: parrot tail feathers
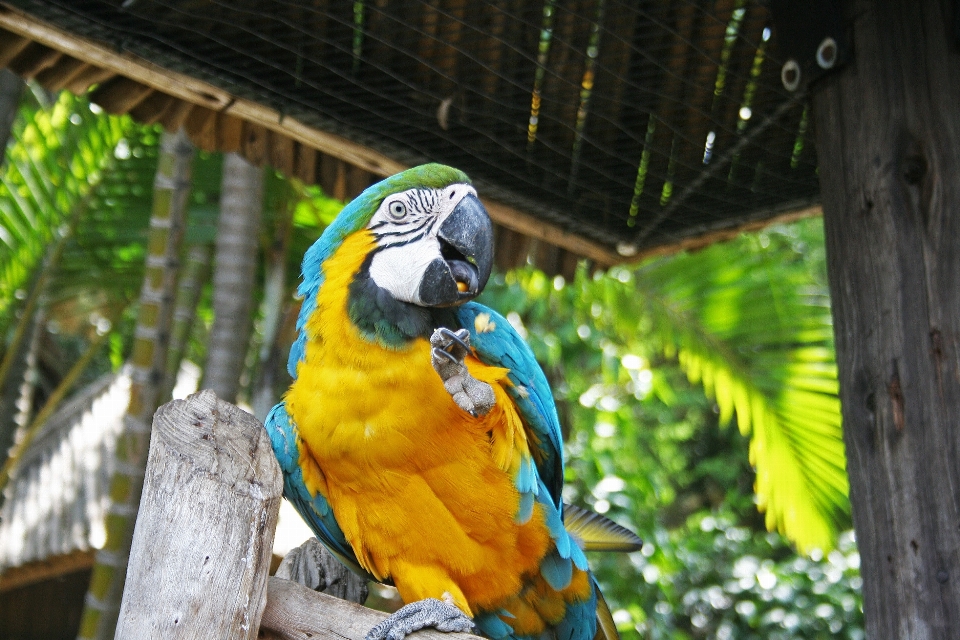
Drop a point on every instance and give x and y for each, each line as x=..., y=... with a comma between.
x=594, y=532
x=606, y=627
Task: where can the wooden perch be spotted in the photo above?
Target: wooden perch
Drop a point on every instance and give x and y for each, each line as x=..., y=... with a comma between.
x=202, y=544
x=204, y=534
x=295, y=612
x=314, y=567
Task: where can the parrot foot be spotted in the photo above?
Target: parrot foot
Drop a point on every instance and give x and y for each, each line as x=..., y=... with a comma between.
x=417, y=615
x=449, y=350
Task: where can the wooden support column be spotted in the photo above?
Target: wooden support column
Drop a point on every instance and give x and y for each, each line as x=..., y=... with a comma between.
x=202, y=545
x=888, y=139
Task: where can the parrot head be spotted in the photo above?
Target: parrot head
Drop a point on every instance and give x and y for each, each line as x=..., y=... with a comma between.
x=432, y=250
x=434, y=240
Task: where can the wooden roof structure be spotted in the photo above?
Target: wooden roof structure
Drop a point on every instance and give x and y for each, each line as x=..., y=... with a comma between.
x=601, y=129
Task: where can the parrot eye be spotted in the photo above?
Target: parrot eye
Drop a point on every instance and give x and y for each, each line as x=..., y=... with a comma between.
x=397, y=209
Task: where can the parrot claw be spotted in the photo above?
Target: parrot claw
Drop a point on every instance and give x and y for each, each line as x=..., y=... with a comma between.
x=429, y=612
x=449, y=350
x=446, y=354
x=461, y=337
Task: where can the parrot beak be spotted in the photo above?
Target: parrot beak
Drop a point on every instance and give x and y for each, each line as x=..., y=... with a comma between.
x=466, y=247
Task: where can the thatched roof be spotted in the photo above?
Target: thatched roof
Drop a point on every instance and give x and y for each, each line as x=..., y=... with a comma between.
x=56, y=501
x=601, y=128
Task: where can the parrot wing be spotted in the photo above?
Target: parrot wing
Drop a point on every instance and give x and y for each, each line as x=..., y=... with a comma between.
x=315, y=510
x=497, y=344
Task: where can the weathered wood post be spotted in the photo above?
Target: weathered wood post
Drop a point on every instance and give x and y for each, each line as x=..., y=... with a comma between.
x=203, y=539
x=204, y=534
x=888, y=141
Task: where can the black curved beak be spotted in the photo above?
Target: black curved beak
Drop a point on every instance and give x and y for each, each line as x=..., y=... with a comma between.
x=466, y=244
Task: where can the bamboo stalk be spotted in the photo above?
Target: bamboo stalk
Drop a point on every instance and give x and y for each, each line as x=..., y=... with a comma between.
x=148, y=361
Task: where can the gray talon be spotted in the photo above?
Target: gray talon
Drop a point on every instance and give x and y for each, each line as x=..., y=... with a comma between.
x=461, y=337
x=418, y=615
x=449, y=350
x=446, y=354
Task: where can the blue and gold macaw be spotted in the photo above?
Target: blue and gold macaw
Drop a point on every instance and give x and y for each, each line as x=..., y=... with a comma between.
x=419, y=438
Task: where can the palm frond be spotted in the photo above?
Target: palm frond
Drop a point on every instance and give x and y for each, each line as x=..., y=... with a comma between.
x=756, y=332
x=58, y=160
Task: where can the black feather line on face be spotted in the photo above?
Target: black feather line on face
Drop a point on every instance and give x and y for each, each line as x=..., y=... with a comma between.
x=390, y=322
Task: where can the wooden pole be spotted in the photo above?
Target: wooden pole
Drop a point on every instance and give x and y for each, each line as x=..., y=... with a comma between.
x=204, y=534
x=148, y=362
x=888, y=139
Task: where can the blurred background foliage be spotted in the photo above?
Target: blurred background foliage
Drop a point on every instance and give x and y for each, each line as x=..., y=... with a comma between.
x=697, y=391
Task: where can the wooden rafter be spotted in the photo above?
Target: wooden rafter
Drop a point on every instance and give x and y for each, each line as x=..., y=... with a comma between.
x=215, y=119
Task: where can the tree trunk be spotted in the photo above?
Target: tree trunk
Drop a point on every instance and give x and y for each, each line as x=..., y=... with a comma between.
x=888, y=139
x=234, y=270
x=148, y=360
x=196, y=271
x=272, y=308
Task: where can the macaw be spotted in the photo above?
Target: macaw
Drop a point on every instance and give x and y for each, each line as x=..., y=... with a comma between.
x=419, y=438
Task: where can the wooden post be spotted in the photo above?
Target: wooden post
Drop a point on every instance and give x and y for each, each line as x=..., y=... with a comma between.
x=204, y=534
x=888, y=139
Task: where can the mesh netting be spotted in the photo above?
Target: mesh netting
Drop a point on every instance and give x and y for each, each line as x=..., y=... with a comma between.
x=631, y=123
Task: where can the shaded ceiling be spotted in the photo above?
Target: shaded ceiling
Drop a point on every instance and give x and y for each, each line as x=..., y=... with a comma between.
x=631, y=125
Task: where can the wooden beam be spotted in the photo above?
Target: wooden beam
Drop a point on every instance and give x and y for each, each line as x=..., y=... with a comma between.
x=695, y=243
x=47, y=569
x=888, y=144
x=201, y=93
x=202, y=545
x=528, y=225
x=123, y=64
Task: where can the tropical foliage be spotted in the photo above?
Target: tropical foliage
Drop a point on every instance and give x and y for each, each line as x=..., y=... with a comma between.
x=651, y=366
x=625, y=352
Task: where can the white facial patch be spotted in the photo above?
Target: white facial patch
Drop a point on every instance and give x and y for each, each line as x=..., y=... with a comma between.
x=400, y=269
x=406, y=226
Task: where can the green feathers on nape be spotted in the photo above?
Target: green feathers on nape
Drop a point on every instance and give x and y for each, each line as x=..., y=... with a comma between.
x=357, y=214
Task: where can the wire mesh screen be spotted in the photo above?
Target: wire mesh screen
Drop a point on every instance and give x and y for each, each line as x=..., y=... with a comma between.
x=634, y=124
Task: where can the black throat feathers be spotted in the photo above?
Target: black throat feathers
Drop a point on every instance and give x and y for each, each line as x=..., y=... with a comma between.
x=388, y=321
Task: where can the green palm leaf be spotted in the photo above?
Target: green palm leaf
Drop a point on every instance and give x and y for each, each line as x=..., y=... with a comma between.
x=53, y=170
x=756, y=332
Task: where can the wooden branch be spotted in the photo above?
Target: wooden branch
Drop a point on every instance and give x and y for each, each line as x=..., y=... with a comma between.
x=202, y=545
x=294, y=612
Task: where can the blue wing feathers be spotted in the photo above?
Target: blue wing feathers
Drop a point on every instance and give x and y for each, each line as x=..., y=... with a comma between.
x=315, y=510
x=492, y=626
x=501, y=346
x=525, y=511
x=556, y=571
x=580, y=621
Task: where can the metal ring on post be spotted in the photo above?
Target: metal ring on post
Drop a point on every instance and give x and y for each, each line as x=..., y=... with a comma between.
x=790, y=75
x=827, y=53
